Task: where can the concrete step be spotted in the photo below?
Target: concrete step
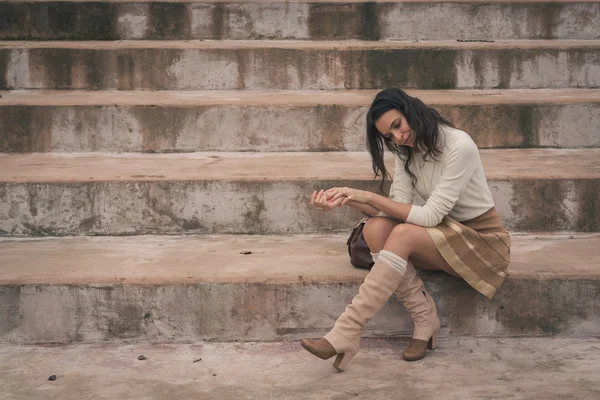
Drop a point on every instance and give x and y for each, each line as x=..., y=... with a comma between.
x=262, y=193
x=184, y=121
x=298, y=20
x=299, y=65
x=165, y=288
x=518, y=369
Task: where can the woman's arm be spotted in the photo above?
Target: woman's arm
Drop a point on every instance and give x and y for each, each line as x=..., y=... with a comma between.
x=370, y=201
x=365, y=208
x=391, y=207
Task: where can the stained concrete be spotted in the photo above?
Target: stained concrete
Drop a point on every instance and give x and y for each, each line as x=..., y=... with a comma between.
x=181, y=121
x=299, y=20
x=124, y=194
x=283, y=65
x=293, y=98
x=150, y=260
x=517, y=164
x=465, y=369
x=186, y=288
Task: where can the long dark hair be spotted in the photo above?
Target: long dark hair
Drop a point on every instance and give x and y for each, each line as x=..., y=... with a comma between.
x=423, y=120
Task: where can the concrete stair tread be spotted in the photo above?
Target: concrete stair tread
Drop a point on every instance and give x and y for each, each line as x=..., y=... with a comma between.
x=464, y=368
x=301, y=44
x=538, y=164
x=301, y=259
x=289, y=98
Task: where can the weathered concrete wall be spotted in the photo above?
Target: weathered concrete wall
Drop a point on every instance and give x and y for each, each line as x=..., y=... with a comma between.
x=255, y=311
x=315, y=21
x=305, y=67
x=270, y=128
x=179, y=207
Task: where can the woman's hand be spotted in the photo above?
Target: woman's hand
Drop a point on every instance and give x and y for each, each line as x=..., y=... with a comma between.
x=320, y=201
x=358, y=196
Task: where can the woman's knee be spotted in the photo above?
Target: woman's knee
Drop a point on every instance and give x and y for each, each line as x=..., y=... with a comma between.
x=404, y=234
x=377, y=230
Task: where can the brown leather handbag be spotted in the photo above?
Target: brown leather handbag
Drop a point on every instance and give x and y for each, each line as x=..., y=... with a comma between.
x=360, y=255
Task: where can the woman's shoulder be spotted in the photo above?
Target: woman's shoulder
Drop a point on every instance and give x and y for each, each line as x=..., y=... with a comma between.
x=458, y=140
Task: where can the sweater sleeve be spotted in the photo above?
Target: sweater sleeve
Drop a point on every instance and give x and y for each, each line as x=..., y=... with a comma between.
x=402, y=190
x=460, y=162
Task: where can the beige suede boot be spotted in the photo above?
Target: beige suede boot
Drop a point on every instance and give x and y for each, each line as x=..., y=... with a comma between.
x=344, y=338
x=422, y=309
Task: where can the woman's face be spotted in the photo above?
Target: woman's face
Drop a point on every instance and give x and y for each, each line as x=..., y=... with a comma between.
x=393, y=125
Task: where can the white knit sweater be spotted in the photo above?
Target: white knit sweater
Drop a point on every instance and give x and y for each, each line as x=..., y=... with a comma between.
x=454, y=185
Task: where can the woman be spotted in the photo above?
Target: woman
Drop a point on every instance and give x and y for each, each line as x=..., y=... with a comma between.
x=457, y=230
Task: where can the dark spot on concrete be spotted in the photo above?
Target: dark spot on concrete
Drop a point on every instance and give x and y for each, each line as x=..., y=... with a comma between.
x=460, y=305
x=406, y=68
x=10, y=314
x=95, y=20
x=88, y=224
x=55, y=67
x=40, y=230
x=538, y=205
x=505, y=67
x=219, y=18
x=32, y=198
x=124, y=321
x=158, y=78
x=58, y=21
x=579, y=60
x=12, y=20
x=548, y=20
x=589, y=205
x=99, y=64
x=344, y=21
x=528, y=125
x=124, y=63
x=4, y=60
x=169, y=21
x=25, y=129
x=191, y=224
x=572, y=303
x=253, y=218
x=490, y=126
x=331, y=118
x=162, y=126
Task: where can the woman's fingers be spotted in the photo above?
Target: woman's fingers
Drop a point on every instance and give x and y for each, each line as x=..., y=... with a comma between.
x=337, y=195
x=331, y=193
x=328, y=199
x=319, y=200
x=315, y=199
x=339, y=201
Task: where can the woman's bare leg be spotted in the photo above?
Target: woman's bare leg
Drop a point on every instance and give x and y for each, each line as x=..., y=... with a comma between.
x=408, y=241
x=376, y=232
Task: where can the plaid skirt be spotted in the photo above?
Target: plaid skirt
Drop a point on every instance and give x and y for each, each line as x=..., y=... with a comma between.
x=478, y=250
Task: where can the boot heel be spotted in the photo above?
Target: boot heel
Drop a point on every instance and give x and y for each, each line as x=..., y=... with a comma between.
x=432, y=344
x=342, y=360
